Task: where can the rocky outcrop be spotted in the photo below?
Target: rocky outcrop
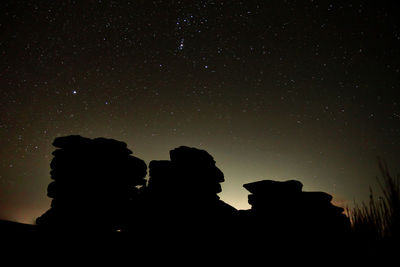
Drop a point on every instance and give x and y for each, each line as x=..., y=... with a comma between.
x=282, y=209
x=95, y=184
x=99, y=186
x=184, y=189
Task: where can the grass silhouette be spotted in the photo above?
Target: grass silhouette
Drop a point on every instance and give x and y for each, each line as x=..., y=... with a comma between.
x=376, y=224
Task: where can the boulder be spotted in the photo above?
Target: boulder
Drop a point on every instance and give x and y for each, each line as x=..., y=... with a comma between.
x=186, y=187
x=283, y=209
x=274, y=187
x=93, y=179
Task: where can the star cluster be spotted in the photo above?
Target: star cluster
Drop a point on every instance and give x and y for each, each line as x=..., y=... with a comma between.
x=280, y=90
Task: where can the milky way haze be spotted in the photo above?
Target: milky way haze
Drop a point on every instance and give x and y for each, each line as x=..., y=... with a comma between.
x=280, y=90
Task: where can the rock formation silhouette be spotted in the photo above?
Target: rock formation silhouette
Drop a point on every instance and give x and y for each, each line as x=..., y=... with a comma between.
x=184, y=189
x=287, y=216
x=99, y=186
x=95, y=185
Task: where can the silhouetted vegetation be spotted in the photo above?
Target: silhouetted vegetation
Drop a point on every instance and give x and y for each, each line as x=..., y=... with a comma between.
x=376, y=224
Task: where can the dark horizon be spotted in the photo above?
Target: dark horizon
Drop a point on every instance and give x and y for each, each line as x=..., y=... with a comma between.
x=98, y=191
x=100, y=198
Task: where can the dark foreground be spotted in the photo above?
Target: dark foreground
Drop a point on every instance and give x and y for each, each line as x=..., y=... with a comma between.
x=102, y=205
x=190, y=247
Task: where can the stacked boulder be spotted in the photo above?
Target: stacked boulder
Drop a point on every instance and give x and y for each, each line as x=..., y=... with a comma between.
x=184, y=189
x=95, y=184
x=282, y=209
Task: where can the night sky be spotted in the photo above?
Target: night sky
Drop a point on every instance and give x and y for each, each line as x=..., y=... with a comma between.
x=305, y=90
